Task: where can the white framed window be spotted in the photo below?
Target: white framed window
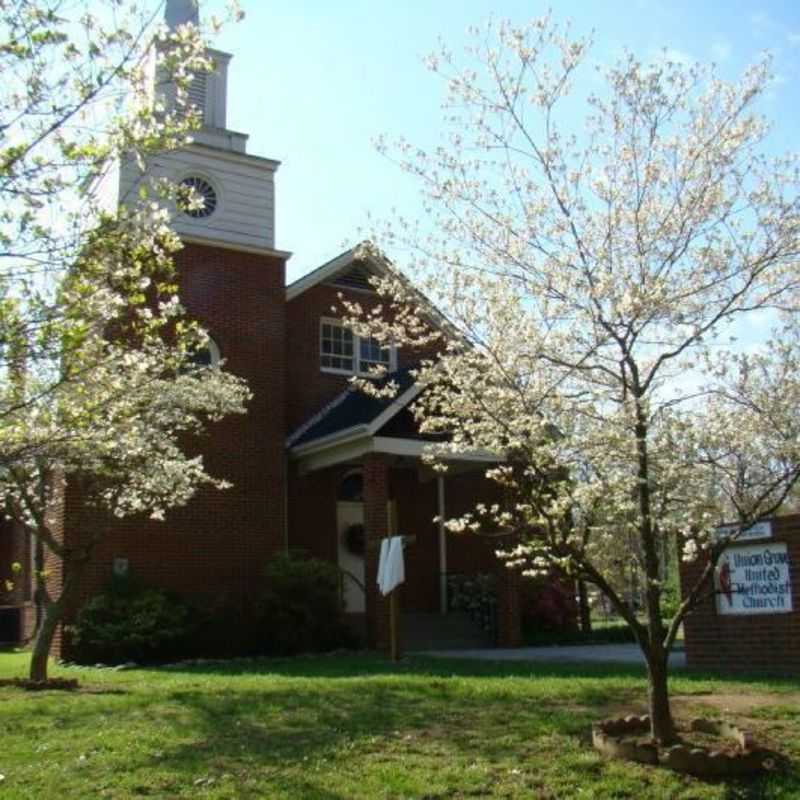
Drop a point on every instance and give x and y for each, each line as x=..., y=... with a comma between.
x=340, y=350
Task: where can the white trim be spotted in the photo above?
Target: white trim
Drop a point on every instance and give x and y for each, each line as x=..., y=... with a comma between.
x=240, y=248
x=397, y=405
x=357, y=443
x=338, y=437
x=232, y=155
x=416, y=447
x=336, y=455
x=329, y=270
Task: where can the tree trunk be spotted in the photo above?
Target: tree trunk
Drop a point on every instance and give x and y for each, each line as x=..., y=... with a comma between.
x=40, y=590
x=584, y=611
x=44, y=640
x=72, y=569
x=662, y=726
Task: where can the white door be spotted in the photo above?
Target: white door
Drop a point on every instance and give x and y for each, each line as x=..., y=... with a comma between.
x=349, y=514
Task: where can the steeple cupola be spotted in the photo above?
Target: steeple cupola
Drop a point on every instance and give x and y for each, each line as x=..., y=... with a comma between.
x=208, y=91
x=237, y=189
x=181, y=12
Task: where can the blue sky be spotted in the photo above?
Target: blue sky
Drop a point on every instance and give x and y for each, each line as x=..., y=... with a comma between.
x=314, y=82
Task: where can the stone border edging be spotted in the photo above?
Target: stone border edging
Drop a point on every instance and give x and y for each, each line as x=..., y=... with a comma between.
x=702, y=763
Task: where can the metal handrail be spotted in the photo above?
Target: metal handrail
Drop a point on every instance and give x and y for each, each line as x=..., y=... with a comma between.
x=482, y=603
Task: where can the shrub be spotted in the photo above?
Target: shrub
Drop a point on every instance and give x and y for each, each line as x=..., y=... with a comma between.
x=131, y=622
x=548, y=605
x=301, y=608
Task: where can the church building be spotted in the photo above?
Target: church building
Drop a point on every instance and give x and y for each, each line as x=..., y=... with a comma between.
x=315, y=467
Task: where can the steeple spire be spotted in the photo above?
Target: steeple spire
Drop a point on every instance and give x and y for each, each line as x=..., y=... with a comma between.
x=179, y=12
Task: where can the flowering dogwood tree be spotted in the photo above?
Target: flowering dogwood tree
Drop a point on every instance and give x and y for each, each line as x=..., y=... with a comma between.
x=99, y=391
x=593, y=282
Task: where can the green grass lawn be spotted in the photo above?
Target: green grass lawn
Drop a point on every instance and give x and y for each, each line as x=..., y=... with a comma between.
x=358, y=727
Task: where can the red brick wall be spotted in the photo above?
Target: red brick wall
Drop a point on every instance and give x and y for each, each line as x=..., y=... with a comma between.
x=748, y=643
x=215, y=549
x=15, y=548
x=416, y=508
x=312, y=512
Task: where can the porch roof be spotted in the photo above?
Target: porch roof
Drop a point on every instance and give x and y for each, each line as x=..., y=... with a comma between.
x=354, y=411
x=355, y=424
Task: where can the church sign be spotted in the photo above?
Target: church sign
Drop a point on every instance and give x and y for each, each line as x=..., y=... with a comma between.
x=754, y=580
x=761, y=530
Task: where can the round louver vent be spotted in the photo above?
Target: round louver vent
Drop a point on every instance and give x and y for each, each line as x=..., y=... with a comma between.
x=207, y=195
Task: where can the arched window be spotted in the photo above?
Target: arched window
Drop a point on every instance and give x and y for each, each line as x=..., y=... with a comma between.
x=207, y=356
x=351, y=488
x=204, y=197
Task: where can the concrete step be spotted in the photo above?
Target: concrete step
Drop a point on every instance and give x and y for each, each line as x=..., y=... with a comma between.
x=453, y=631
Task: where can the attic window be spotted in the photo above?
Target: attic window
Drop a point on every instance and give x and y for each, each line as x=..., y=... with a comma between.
x=341, y=351
x=357, y=277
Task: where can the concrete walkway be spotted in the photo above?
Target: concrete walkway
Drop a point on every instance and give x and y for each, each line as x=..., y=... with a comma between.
x=574, y=654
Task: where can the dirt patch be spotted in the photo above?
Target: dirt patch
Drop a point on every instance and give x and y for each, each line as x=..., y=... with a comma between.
x=686, y=705
x=57, y=684
x=735, y=703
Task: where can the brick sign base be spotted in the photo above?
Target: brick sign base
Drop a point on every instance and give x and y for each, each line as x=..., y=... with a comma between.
x=766, y=643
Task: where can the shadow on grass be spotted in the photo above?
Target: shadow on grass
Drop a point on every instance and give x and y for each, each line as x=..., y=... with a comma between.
x=284, y=731
x=372, y=664
x=305, y=727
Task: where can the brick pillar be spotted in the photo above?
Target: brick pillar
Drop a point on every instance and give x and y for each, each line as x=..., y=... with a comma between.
x=509, y=621
x=15, y=548
x=376, y=526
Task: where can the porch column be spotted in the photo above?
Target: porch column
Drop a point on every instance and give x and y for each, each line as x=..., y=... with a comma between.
x=509, y=619
x=376, y=527
x=441, y=511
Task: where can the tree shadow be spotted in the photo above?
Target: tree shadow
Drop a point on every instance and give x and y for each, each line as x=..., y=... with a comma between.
x=374, y=664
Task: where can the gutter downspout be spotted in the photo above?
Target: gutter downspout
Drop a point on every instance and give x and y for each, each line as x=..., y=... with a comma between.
x=442, y=547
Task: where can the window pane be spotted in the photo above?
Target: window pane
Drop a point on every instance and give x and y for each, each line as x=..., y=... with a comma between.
x=336, y=346
x=371, y=355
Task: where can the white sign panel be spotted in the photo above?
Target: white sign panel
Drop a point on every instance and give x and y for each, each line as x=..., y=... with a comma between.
x=761, y=530
x=754, y=580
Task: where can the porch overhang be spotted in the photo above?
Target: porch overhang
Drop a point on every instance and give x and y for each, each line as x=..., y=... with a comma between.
x=349, y=446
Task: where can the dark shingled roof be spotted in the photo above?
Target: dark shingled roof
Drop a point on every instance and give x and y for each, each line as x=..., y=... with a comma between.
x=356, y=408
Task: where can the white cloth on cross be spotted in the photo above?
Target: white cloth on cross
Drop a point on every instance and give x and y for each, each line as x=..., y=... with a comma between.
x=391, y=567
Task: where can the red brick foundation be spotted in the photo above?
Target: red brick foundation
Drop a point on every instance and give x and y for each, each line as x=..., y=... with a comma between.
x=759, y=643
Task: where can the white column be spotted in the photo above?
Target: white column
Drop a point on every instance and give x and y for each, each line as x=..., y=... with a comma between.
x=442, y=547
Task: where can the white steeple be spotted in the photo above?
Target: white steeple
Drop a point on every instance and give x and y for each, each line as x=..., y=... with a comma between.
x=208, y=91
x=179, y=12
x=238, y=188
